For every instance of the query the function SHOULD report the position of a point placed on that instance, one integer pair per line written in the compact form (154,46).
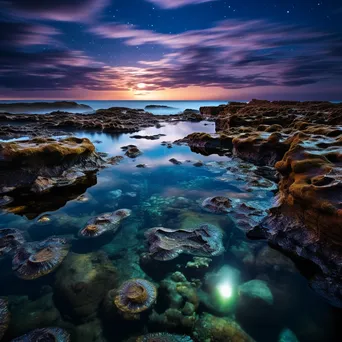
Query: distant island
(24,107)
(158,107)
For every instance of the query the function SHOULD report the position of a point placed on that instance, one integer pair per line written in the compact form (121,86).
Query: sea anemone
(36,259)
(4,317)
(108,222)
(164,337)
(218,204)
(45,335)
(10,240)
(135,296)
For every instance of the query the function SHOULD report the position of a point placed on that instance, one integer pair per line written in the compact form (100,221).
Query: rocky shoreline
(302,142)
(112,120)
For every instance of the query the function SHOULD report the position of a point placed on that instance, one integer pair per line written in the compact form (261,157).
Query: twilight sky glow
(171,49)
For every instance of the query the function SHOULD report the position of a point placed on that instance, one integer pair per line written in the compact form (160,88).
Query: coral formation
(163,337)
(36,259)
(167,244)
(182,299)
(135,296)
(104,223)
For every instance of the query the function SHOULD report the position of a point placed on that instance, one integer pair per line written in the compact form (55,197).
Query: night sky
(171,49)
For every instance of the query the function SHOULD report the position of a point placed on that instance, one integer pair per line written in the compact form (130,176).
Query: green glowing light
(225,290)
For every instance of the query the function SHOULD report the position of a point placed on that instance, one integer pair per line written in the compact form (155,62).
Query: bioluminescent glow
(225,290)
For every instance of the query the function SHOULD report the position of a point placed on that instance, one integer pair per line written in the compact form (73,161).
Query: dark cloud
(24,34)
(60,10)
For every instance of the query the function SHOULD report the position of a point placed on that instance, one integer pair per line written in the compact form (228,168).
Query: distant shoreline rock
(25,107)
(158,107)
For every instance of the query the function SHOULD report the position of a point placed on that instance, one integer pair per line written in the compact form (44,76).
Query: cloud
(25,34)
(233,55)
(168,4)
(60,10)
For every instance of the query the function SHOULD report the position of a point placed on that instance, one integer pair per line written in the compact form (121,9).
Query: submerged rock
(163,337)
(82,283)
(167,244)
(255,291)
(287,335)
(28,314)
(211,328)
(4,317)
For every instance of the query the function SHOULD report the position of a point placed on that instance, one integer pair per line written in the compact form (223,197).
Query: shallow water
(163,194)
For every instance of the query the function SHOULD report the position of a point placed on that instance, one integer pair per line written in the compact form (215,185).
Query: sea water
(166,195)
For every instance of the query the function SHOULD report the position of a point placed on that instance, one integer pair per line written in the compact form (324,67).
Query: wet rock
(5,200)
(198,164)
(82,283)
(148,137)
(115,160)
(255,292)
(287,335)
(211,328)
(270,260)
(175,161)
(132,151)
(59,162)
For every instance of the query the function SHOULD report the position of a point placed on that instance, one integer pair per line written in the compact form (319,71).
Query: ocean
(175,107)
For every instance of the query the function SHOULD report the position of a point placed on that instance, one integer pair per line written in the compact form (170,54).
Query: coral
(10,240)
(36,259)
(218,204)
(82,283)
(211,328)
(4,317)
(104,223)
(46,334)
(135,296)
(181,296)
(167,244)
(163,337)
(199,262)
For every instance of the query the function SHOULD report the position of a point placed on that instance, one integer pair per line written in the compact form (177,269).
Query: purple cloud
(25,34)
(233,55)
(167,4)
(60,10)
